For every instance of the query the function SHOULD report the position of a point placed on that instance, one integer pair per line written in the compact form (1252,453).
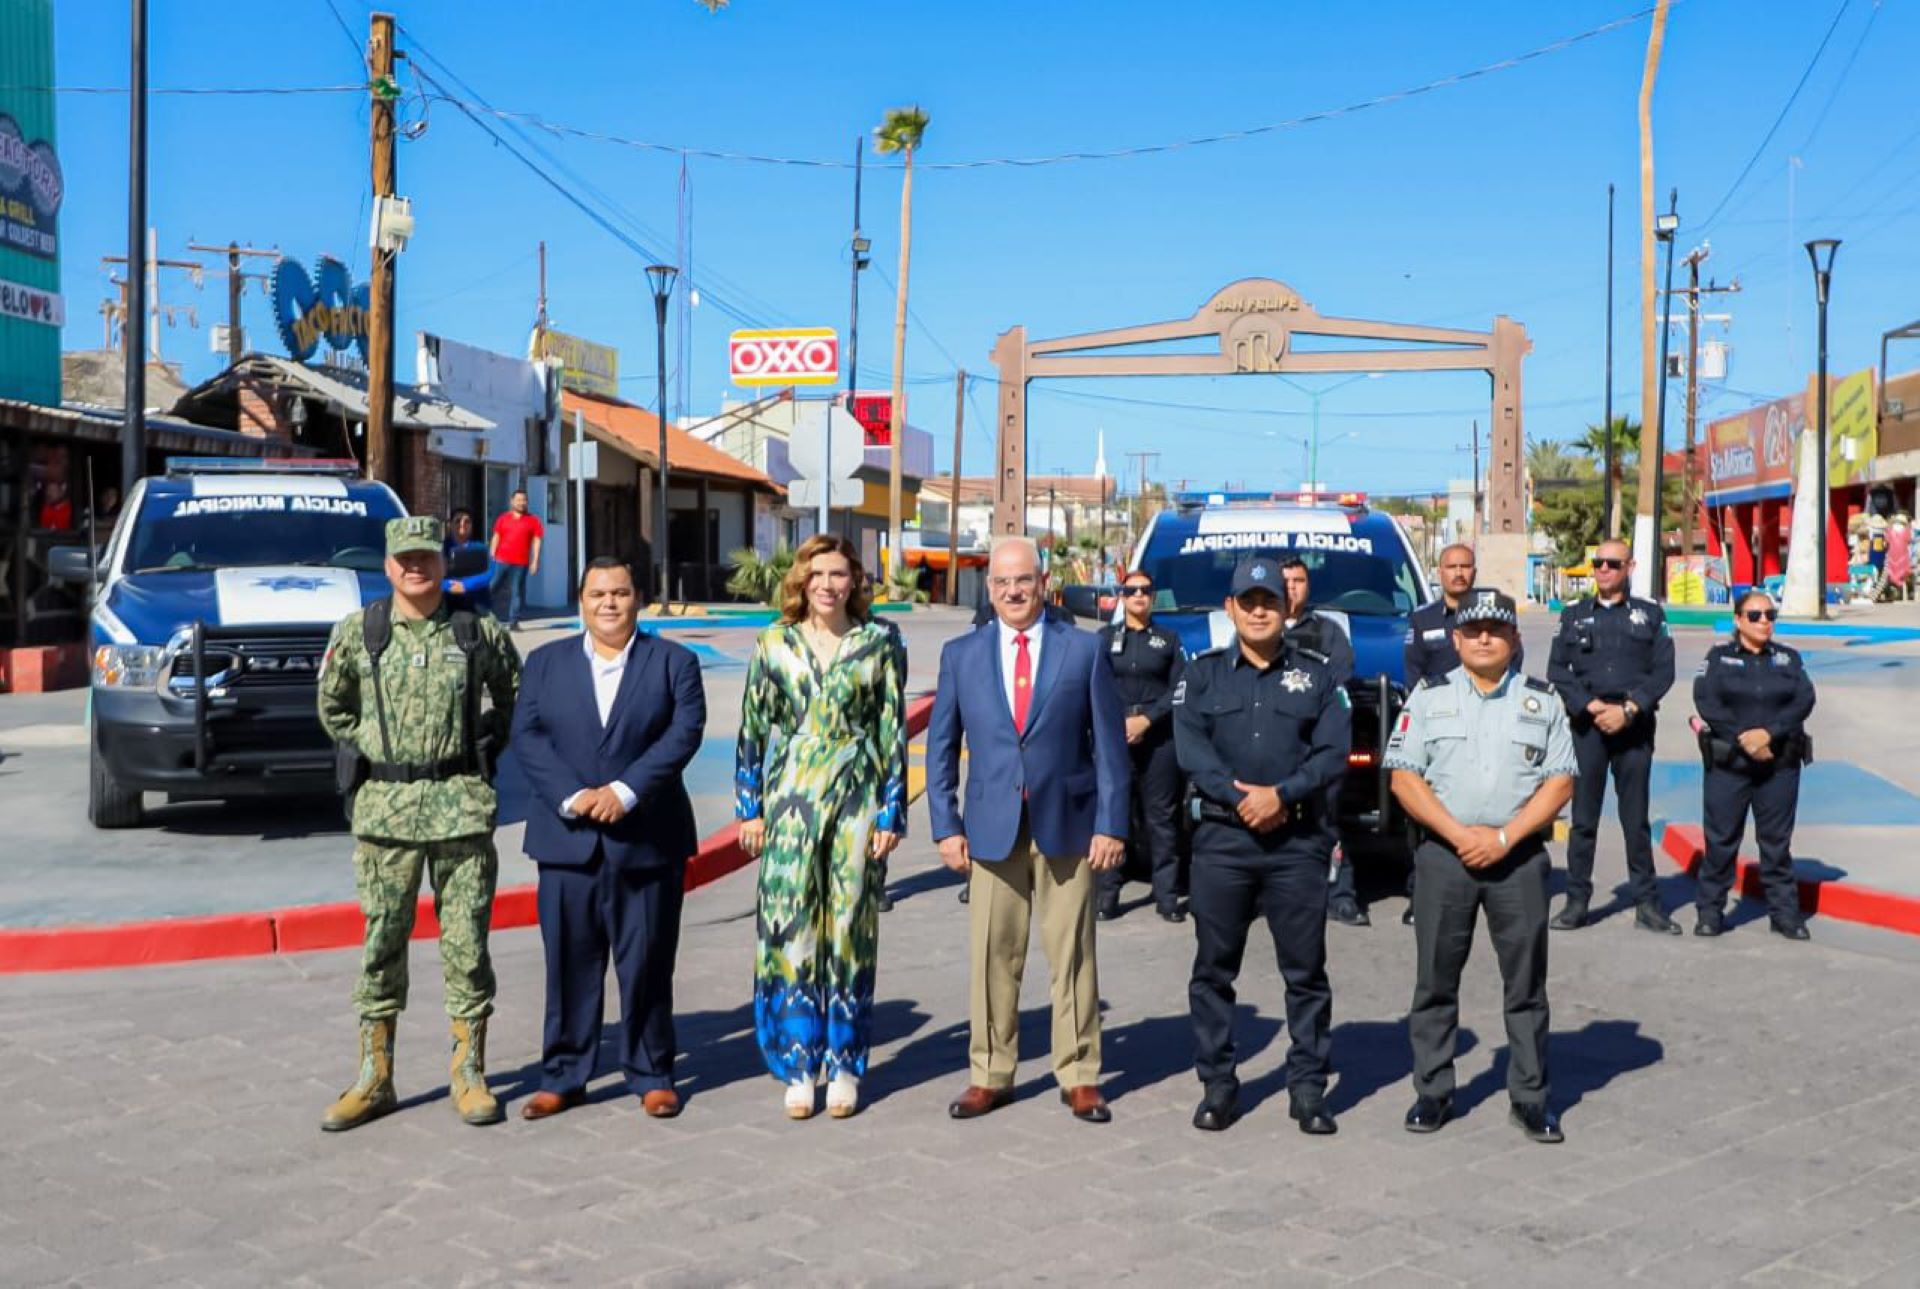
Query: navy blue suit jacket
(1072,762)
(653,731)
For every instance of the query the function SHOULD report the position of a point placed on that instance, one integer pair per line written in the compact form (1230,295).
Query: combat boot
(372,1096)
(468,1081)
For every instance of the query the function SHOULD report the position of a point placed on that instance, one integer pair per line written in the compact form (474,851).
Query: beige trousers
(1002,897)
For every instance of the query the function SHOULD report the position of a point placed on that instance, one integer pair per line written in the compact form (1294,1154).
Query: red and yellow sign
(1753,451)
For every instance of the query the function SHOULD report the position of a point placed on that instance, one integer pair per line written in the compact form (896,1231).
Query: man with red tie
(1046,807)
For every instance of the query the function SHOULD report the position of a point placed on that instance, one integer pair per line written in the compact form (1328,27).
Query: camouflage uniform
(442,826)
(440,823)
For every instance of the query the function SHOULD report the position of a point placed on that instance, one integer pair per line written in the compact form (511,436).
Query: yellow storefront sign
(585,367)
(1852,428)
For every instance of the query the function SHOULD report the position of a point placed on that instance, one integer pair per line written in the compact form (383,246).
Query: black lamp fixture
(1820,252)
(660,277)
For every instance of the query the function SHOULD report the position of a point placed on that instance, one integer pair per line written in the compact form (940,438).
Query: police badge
(1297,681)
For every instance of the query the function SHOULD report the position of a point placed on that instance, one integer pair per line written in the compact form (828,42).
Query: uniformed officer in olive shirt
(1482,762)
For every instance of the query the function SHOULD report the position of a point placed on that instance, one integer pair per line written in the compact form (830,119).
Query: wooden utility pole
(1140,498)
(1689,493)
(1476,481)
(953,499)
(380,464)
(1646,525)
(147,327)
(236,284)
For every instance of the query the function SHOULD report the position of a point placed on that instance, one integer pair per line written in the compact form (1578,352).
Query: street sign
(795,356)
(583,460)
(804,494)
(807,449)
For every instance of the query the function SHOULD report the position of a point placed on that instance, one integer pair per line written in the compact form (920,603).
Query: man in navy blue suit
(607,721)
(1047,802)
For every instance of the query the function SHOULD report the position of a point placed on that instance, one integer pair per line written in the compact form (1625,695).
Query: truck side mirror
(74,565)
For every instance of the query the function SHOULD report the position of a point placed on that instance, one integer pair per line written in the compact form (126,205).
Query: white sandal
(843,1095)
(800,1099)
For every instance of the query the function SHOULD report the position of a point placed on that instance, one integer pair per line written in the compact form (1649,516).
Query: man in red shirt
(515,548)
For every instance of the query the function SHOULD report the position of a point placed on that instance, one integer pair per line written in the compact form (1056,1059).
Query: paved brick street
(1742,1111)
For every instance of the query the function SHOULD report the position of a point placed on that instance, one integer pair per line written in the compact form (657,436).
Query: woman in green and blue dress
(821,806)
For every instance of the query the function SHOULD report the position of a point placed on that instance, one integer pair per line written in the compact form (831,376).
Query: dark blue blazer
(653,731)
(1072,763)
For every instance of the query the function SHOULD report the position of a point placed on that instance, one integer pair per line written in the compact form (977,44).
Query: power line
(1778,120)
(203,91)
(1178,145)
(353,41)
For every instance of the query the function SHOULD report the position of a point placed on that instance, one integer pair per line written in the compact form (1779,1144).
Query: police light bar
(338,467)
(1331,498)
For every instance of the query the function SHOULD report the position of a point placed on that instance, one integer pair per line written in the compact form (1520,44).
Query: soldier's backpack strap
(466,634)
(376,633)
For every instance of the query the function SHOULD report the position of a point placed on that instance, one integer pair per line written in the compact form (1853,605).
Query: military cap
(415,533)
(1258,574)
(1484,604)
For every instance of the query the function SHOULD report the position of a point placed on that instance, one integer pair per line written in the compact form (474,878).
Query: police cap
(1260,573)
(1484,604)
(415,533)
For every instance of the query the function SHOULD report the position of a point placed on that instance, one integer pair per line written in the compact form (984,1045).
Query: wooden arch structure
(1255,320)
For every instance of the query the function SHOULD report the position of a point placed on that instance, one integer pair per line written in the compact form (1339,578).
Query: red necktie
(1022,682)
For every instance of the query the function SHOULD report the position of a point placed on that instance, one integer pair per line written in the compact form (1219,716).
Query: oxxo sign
(327,304)
(799,356)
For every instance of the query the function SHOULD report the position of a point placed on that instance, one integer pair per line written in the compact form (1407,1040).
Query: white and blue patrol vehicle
(216,594)
(1364,577)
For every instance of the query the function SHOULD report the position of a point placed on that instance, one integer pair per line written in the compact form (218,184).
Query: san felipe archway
(1255,321)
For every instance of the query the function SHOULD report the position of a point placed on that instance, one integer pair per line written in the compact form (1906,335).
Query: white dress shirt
(1009,651)
(607,675)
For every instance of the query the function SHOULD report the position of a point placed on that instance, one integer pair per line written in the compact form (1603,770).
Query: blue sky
(1475,199)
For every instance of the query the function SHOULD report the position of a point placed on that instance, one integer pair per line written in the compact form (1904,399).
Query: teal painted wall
(29,351)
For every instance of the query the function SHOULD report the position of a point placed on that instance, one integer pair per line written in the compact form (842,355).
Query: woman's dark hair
(606,562)
(1747,596)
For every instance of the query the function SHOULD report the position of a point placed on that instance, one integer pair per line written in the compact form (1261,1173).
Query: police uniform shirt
(1325,637)
(1288,726)
(1146,666)
(1429,645)
(1484,755)
(1737,690)
(1616,652)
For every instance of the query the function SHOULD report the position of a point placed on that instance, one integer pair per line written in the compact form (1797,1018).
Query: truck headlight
(128,666)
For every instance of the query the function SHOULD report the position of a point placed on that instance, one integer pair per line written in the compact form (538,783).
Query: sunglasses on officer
(1761,615)
(1132,589)
(1609,563)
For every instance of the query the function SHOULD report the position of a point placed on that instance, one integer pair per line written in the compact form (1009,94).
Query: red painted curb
(136,944)
(1846,901)
(308,927)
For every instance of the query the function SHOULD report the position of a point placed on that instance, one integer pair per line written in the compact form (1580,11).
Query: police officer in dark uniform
(1429,649)
(1262,729)
(1612,663)
(1309,629)
(1146,666)
(1755,697)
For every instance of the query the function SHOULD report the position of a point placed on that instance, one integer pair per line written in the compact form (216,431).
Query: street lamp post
(660,277)
(1821,251)
(1313,439)
(1665,229)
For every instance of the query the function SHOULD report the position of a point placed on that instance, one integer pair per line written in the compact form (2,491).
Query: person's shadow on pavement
(1578,1063)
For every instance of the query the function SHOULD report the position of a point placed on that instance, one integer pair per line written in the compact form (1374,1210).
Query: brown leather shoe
(1086,1103)
(544,1105)
(661,1103)
(976,1101)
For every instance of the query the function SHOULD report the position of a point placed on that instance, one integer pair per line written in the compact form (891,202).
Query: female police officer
(1754,696)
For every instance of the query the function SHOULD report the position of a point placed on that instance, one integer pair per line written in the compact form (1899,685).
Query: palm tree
(900,131)
(1547,459)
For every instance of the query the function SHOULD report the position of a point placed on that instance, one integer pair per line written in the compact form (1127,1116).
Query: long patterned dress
(837,773)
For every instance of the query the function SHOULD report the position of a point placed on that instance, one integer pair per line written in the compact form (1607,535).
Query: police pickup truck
(1363,576)
(216,594)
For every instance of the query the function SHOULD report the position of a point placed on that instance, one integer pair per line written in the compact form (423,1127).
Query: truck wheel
(108,804)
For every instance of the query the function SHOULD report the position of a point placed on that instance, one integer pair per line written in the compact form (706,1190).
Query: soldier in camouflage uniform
(425,806)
